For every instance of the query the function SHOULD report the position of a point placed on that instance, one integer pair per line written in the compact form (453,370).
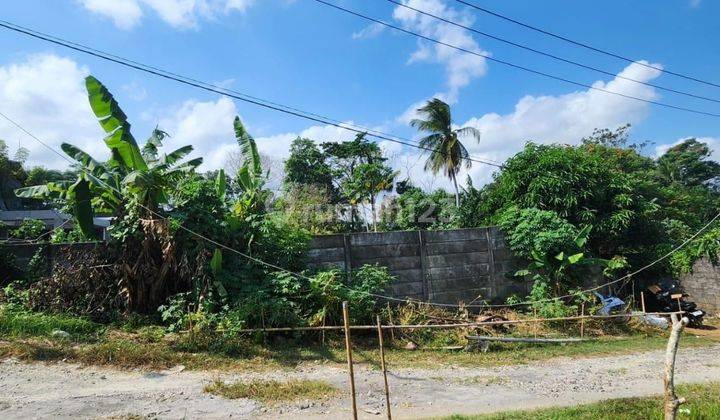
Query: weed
(273,391)
(15,322)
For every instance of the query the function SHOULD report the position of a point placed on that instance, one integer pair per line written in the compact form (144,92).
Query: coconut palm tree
(446,151)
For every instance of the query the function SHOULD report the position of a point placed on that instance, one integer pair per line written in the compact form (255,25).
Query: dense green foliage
(414,209)
(634,210)
(197,246)
(191,247)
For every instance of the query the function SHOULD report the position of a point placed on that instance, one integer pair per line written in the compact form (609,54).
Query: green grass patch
(20,323)
(28,336)
(269,392)
(703,403)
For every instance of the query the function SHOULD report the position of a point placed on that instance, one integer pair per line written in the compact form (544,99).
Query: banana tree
(249,177)
(145,175)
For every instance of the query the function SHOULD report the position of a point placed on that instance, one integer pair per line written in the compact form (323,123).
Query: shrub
(534,230)
(29,229)
(84,284)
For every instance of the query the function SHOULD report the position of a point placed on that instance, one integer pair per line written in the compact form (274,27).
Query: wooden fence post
(642,301)
(384,369)
(582,320)
(672,402)
(348,349)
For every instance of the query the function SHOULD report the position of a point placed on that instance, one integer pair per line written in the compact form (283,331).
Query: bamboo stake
(642,300)
(582,321)
(392,323)
(346,320)
(384,369)
(672,402)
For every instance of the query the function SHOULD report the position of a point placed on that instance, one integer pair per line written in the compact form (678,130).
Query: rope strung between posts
(448,326)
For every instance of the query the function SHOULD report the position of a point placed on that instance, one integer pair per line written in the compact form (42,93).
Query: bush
(30,229)
(83,284)
(533,230)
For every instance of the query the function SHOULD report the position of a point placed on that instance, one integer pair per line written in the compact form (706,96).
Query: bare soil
(64,390)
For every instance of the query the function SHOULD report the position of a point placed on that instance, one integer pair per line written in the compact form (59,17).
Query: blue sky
(304,54)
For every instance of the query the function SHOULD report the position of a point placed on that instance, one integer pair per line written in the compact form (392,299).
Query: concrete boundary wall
(443,266)
(703,286)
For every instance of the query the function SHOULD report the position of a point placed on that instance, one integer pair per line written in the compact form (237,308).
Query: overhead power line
(583,45)
(389,298)
(226,92)
(550,55)
(513,65)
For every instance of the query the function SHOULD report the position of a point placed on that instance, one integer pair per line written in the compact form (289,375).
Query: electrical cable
(550,55)
(584,45)
(223,91)
(516,66)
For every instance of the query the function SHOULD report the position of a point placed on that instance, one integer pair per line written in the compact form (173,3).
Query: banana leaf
(80,197)
(114,121)
(248,148)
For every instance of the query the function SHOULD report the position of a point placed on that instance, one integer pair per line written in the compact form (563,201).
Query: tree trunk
(672,402)
(372,209)
(457,192)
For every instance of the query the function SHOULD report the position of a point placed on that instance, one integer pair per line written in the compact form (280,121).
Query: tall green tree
(307,165)
(689,164)
(12,175)
(367,182)
(447,154)
(344,159)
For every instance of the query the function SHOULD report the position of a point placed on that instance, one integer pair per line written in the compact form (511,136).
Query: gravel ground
(66,390)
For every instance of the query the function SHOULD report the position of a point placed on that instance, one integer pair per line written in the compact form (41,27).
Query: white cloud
(127,14)
(547,119)
(460,67)
(135,91)
(46,94)
(563,118)
(370,31)
(207,126)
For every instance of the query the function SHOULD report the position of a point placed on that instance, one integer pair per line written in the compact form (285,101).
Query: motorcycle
(669,297)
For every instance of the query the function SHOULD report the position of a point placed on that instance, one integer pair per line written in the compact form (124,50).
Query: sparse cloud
(460,67)
(127,14)
(135,91)
(370,31)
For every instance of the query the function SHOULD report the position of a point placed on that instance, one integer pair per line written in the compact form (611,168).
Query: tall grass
(17,323)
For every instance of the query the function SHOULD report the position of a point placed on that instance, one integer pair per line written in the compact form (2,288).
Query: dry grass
(270,392)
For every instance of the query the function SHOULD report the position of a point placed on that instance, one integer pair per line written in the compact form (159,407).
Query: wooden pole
(642,301)
(582,320)
(679,304)
(672,402)
(384,369)
(346,320)
(392,323)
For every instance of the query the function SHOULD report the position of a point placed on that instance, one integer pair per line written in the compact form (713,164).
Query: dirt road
(68,390)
